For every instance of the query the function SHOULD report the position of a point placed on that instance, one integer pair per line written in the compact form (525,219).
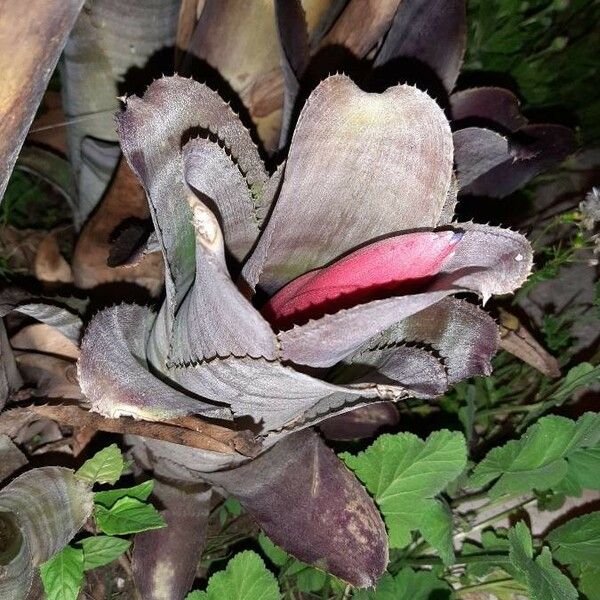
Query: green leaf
(407,585)
(404,474)
(274,553)
(542,578)
(101,550)
(550,452)
(577,542)
(62,575)
(307,578)
(128,515)
(589,582)
(141,491)
(105,467)
(245,578)
(582,375)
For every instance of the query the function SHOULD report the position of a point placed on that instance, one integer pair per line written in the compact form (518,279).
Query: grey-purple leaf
(12,458)
(386,361)
(432,31)
(40,512)
(114,373)
(114,45)
(215,319)
(465,336)
(361,25)
(308,503)
(330,202)
(210,171)
(165,560)
(271,393)
(10,380)
(295,54)
(487,260)
(152,130)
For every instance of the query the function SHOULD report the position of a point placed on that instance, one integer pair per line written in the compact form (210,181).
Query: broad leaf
(401,133)
(432,31)
(552,452)
(62,575)
(141,491)
(589,582)
(577,542)
(105,466)
(543,579)
(308,503)
(245,578)
(101,550)
(408,585)
(404,474)
(127,515)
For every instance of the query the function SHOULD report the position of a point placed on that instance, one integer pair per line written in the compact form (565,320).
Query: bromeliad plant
(295,297)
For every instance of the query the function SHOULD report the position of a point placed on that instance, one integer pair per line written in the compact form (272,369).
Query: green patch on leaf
(105,466)
(102,550)
(109,497)
(404,474)
(62,575)
(245,578)
(128,515)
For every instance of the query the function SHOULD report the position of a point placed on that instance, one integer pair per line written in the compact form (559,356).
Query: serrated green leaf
(577,542)
(105,466)
(542,578)
(62,575)
(407,585)
(404,474)
(128,515)
(141,491)
(101,550)
(547,456)
(245,578)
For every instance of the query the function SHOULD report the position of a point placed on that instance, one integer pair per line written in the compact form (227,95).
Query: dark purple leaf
(308,503)
(493,104)
(361,423)
(432,31)
(165,560)
(535,149)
